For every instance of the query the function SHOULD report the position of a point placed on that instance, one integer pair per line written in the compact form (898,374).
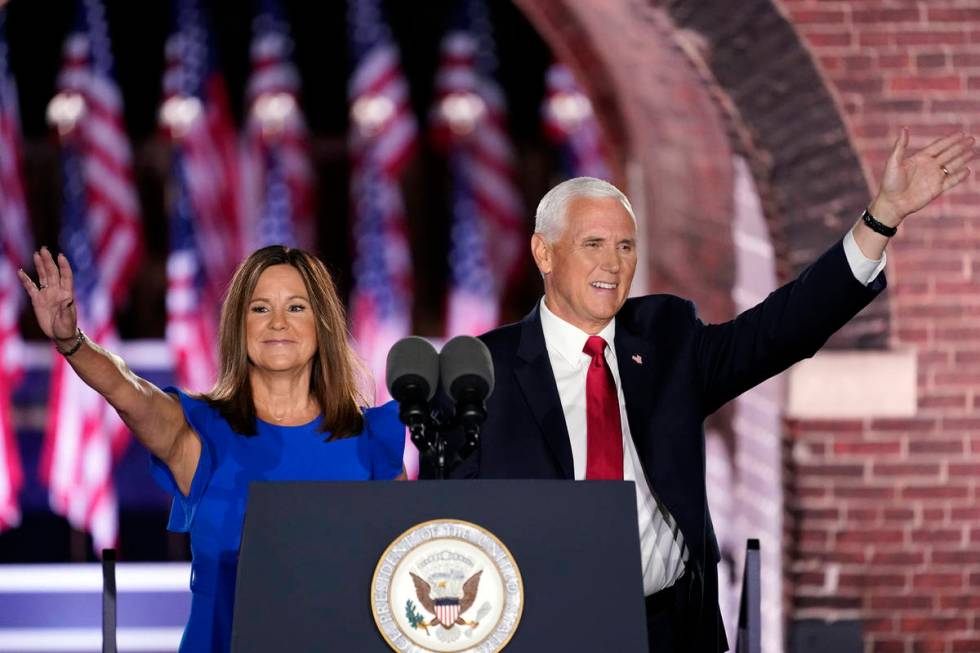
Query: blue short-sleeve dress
(214,509)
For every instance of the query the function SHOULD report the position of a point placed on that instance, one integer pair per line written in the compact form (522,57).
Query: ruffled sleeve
(387,437)
(200,416)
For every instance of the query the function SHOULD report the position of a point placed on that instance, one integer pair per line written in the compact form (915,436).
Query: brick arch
(681,85)
(668,141)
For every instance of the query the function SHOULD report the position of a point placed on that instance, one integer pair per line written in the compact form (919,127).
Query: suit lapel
(537,382)
(637,371)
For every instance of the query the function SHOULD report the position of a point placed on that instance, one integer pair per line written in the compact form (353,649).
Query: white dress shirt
(663,553)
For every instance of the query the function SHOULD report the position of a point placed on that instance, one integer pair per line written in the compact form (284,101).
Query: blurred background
(407,144)
(310,181)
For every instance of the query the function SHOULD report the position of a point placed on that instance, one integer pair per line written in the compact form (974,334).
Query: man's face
(589,268)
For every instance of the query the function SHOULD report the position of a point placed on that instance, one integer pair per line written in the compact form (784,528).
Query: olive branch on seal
(414,617)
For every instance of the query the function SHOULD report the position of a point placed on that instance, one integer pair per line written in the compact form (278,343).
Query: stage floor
(57,608)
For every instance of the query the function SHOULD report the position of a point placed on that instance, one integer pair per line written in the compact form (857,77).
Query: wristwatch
(878,227)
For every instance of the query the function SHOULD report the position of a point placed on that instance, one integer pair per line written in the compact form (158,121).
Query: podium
(310,550)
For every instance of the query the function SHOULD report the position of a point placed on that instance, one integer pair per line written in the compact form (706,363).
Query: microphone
(466,369)
(412,374)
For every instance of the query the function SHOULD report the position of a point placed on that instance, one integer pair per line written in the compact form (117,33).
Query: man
(591,385)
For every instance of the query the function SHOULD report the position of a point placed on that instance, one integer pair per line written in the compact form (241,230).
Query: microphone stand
(427,436)
(427,431)
(471,412)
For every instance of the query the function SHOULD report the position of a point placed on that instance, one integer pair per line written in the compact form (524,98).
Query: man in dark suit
(592,385)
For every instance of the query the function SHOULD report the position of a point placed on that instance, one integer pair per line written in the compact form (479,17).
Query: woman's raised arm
(155,417)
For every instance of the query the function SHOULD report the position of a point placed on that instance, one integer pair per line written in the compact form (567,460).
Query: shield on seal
(447,610)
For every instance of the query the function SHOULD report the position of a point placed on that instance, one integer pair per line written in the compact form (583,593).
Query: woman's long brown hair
(337,374)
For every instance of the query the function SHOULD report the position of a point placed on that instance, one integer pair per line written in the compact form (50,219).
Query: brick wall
(650,96)
(889,529)
(784,121)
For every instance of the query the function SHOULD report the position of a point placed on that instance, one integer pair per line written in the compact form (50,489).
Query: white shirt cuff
(864,269)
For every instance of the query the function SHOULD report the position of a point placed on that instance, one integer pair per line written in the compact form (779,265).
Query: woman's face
(280,329)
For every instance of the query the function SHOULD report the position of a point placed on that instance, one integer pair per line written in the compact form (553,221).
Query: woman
(285,407)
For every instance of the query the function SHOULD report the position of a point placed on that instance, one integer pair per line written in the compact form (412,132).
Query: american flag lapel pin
(637,359)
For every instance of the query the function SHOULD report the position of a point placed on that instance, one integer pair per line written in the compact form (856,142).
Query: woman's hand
(53,297)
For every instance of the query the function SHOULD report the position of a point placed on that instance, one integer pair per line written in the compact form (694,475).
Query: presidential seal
(447,586)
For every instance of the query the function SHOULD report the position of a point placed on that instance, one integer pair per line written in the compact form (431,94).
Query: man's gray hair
(550,218)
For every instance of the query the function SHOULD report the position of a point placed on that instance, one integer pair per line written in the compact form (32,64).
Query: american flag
(281,180)
(275,225)
(469,118)
(191,327)
(570,123)
(101,235)
(113,205)
(382,138)
(381,303)
(473,302)
(15,248)
(11,473)
(196,113)
(384,128)
(84,434)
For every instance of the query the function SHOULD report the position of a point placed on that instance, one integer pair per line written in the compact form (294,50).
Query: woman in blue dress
(286,406)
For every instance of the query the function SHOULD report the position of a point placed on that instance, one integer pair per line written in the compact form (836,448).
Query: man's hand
(912,181)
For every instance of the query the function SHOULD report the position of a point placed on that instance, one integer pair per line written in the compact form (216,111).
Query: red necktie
(604,448)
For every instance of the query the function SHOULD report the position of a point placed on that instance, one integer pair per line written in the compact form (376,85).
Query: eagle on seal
(448,611)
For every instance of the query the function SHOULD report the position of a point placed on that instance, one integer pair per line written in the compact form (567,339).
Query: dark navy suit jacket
(688,370)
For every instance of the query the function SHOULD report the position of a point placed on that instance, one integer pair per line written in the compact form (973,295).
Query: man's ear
(541,252)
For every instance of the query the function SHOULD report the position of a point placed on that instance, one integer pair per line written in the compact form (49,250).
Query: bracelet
(878,227)
(79,339)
